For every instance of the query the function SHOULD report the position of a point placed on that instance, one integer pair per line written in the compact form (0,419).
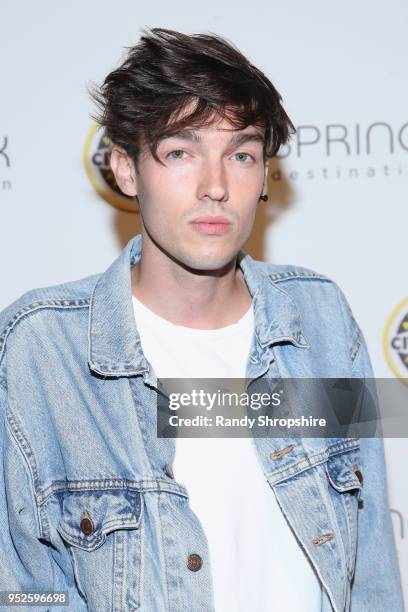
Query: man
(94,503)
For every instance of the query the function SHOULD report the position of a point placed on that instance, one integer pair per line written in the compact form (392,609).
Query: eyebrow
(236,140)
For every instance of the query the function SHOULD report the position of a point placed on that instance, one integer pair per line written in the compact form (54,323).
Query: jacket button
(359,475)
(86,525)
(194,562)
(168,470)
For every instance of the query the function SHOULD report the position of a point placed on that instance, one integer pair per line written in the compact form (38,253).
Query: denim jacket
(89,503)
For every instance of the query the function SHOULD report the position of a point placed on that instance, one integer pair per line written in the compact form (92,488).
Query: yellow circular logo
(96,155)
(395,340)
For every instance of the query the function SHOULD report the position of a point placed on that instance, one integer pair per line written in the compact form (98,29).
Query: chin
(207,261)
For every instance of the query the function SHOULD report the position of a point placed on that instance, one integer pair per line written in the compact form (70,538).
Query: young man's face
(207,172)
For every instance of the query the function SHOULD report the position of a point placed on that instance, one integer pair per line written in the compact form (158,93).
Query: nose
(213,182)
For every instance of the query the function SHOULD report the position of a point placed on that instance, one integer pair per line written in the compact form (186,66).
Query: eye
(242,157)
(176,154)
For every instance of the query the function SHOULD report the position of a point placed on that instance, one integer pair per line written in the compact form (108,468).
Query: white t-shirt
(256,561)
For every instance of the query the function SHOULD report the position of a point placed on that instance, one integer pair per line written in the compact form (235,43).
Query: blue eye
(177,151)
(245,155)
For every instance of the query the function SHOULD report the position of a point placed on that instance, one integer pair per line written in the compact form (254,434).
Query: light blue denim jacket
(88,503)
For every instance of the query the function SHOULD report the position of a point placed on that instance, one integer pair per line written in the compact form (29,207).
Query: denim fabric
(87,504)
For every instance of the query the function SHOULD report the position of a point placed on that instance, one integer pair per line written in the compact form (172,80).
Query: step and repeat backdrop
(338,191)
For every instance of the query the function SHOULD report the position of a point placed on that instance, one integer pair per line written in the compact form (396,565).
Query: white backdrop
(338,193)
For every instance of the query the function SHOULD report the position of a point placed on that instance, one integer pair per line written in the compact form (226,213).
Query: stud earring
(264,197)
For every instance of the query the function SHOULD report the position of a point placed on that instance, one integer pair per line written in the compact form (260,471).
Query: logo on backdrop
(5,183)
(395,340)
(96,155)
(344,152)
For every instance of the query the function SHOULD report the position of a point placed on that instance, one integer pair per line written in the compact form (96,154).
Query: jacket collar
(114,346)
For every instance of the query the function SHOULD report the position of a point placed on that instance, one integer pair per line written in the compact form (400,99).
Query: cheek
(166,186)
(247,219)
(245,189)
(249,180)
(161,203)
(182,180)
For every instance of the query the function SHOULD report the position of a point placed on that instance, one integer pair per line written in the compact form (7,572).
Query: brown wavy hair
(146,98)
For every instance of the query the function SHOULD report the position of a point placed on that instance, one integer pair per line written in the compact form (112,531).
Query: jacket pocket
(345,483)
(102,531)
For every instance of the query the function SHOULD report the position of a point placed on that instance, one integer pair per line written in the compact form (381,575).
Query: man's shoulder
(281,273)
(66,295)
(315,295)
(307,285)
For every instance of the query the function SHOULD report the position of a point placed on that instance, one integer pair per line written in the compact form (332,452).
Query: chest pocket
(102,531)
(345,483)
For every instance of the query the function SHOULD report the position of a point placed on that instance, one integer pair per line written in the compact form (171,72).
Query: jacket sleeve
(25,561)
(377,582)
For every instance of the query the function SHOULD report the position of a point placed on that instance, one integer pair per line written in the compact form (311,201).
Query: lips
(215,225)
(216,219)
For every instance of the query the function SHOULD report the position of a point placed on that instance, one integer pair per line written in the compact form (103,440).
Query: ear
(124,170)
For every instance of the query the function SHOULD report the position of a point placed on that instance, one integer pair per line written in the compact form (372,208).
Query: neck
(202,299)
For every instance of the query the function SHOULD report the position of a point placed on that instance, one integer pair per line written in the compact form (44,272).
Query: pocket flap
(87,516)
(343,471)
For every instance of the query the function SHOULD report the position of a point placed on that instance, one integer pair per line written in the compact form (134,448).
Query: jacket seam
(80,486)
(355,336)
(27,465)
(34,306)
(163,549)
(24,445)
(279,278)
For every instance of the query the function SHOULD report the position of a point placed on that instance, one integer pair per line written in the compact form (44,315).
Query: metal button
(86,525)
(194,562)
(168,470)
